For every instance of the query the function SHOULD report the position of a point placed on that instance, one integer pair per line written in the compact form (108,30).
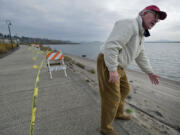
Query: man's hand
(154,78)
(113,76)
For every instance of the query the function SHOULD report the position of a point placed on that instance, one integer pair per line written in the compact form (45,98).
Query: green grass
(129,111)
(91,71)
(43,48)
(67,59)
(5,47)
(80,65)
(178,127)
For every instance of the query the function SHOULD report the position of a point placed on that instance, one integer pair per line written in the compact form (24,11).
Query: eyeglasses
(156,16)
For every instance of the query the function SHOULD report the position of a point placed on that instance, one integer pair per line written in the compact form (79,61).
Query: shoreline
(82,59)
(160,65)
(155,107)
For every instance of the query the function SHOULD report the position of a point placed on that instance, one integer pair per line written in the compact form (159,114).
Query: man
(124,45)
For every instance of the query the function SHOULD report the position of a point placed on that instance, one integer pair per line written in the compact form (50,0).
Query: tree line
(30,40)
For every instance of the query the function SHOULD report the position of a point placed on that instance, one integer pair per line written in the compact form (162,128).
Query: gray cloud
(78,20)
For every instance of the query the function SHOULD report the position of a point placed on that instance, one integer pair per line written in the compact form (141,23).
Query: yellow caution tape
(34,111)
(35,67)
(32,121)
(39,52)
(34,58)
(35,94)
(35,91)
(37,79)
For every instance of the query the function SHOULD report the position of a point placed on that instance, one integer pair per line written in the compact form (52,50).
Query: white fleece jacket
(125,44)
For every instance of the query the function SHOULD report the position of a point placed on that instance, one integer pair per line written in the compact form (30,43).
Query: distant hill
(91,42)
(162,41)
(44,41)
(30,40)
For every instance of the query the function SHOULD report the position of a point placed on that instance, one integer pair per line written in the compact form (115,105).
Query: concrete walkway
(65,106)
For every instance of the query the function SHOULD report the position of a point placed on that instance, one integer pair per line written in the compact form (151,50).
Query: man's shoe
(123,117)
(110,133)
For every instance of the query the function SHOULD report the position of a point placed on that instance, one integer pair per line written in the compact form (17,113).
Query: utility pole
(9,24)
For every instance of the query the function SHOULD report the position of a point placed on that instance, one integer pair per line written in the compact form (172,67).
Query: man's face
(150,18)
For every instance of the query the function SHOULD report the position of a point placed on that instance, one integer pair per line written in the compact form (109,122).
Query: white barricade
(55,61)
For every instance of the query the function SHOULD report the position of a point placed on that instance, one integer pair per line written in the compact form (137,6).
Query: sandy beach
(154,107)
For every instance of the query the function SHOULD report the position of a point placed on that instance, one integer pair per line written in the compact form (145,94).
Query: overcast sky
(83,20)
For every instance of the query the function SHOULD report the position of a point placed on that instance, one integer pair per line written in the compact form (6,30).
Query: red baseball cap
(162,14)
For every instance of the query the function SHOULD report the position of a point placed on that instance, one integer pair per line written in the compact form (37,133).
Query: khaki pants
(112,94)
